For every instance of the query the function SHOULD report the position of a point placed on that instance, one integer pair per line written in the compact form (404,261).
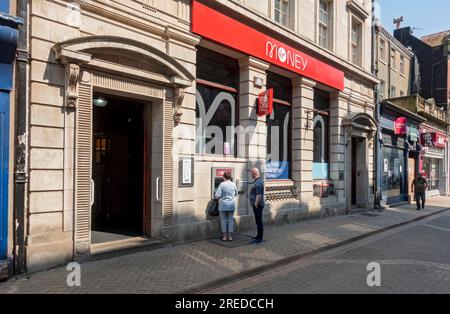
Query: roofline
(441,32)
(383,31)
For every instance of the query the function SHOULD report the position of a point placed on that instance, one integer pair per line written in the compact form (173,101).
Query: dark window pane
(282,86)
(318,153)
(278,143)
(215,113)
(217,68)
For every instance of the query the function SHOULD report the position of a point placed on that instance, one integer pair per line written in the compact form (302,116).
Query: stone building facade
(120,104)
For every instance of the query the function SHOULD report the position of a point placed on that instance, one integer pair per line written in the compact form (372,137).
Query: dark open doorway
(118,170)
(354,170)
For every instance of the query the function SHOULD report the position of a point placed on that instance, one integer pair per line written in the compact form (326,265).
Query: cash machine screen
(217,177)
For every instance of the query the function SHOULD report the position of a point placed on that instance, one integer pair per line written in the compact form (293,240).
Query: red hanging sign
(265,103)
(218,27)
(400,126)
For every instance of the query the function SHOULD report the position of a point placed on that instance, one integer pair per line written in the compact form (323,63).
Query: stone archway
(128,67)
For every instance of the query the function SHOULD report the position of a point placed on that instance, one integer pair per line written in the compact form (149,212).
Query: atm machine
(217,177)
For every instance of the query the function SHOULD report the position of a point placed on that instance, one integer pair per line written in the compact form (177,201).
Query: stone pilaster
(302,137)
(252,131)
(338,112)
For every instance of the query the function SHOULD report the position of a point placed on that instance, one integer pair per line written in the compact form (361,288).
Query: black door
(118,168)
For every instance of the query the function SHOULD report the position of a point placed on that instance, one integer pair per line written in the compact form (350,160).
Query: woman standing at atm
(226,193)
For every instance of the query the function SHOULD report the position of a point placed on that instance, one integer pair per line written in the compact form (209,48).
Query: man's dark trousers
(420,196)
(258,211)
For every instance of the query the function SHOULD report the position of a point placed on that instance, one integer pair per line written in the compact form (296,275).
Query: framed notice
(186,172)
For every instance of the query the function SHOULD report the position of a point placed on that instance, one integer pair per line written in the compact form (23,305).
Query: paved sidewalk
(187,267)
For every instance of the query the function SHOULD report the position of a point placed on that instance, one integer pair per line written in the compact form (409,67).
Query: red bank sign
(265,103)
(218,27)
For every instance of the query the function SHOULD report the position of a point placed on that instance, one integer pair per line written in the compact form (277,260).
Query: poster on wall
(396,167)
(277,170)
(386,165)
(186,172)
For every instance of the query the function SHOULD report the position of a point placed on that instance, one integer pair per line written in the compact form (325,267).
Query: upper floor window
(281,11)
(325,21)
(383,50)
(402,64)
(393,59)
(356,42)
(393,92)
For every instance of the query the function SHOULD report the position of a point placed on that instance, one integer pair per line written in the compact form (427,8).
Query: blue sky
(430,16)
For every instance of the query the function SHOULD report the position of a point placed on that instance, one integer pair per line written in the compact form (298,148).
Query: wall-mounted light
(100,102)
(259,82)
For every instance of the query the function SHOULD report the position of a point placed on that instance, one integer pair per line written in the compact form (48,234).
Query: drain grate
(239,240)
(369,215)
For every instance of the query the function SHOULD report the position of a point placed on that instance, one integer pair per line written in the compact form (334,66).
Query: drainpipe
(21,141)
(377,176)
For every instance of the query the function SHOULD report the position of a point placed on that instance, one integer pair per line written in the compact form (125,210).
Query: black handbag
(213,208)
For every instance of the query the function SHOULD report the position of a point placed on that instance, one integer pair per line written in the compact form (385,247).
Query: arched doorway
(360,168)
(125,138)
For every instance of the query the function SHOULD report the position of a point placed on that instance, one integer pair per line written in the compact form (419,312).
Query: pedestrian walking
(420,186)
(226,193)
(257,203)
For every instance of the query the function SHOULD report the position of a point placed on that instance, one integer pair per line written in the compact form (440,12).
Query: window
(279,129)
(402,93)
(321,160)
(356,41)
(393,92)
(402,64)
(325,23)
(382,89)
(216,105)
(393,172)
(383,50)
(281,11)
(101,149)
(393,59)
(431,167)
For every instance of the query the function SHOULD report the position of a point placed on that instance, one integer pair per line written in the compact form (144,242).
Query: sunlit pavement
(196,266)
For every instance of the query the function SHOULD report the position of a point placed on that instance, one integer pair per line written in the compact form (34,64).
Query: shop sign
(434,140)
(413,133)
(265,103)
(400,126)
(225,30)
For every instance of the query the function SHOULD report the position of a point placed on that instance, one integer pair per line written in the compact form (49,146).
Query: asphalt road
(412,259)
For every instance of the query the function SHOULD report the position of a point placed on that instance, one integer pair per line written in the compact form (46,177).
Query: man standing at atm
(257,202)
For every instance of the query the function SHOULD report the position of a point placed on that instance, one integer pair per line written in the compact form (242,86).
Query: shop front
(433,160)
(400,153)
